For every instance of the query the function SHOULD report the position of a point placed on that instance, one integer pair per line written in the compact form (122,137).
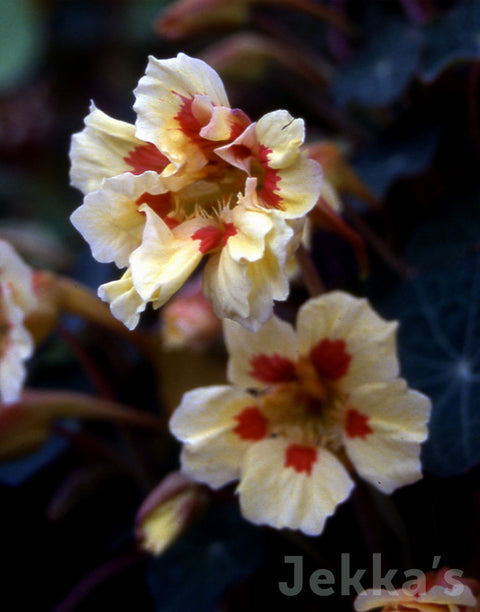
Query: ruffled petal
(227,286)
(16,345)
(272,493)
(282,135)
(370,340)
(205,421)
(164,100)
(99,151)
(385,424)
(125,302)
(18,276)
(166,258)
(110,219)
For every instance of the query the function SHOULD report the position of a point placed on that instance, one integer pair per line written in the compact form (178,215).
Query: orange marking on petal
(300,458)
(271,179)
(146,157)
(252,425)
(356,424)
(272,368)
(330,358)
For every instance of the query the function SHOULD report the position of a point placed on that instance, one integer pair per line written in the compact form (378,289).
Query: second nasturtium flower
(442,591)
(17,299)
(306,408)
(193,178)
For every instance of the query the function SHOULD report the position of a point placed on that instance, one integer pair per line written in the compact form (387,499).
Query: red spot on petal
(160,203)
(252,425)
(189,124)
(271,179)
(146,157)
(300,458)
(330,358)
(214,236)
(356,424)
(272,369)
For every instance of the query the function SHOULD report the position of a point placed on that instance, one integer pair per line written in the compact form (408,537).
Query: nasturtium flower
(17,298)
(305,409)
(442,591)
(193,178)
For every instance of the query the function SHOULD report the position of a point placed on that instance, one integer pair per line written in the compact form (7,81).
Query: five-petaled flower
(193,178)
(306,408)
(17,298)
(442,591)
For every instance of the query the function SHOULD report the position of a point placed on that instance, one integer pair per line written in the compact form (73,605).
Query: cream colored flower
(305,408)
(17,298)
(193,178)
(443,591)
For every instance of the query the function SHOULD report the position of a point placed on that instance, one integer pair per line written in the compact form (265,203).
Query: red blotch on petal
(330,358)
(213,236)
(300,458)
(272,369)
(271,179)
(252,425)
(161,204)
(188,123)
(146,157)
(356,424)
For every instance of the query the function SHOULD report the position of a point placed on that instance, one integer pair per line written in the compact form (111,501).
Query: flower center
(309,408)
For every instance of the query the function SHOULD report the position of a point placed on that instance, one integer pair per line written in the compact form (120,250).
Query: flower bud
(168,511)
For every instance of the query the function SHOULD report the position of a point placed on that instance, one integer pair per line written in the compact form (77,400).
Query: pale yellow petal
(165,259)
(279,496)
(298,187)
(227,286)
(16,345)
(125,303)
(98,152)
(160,95)
(389,456)
(204,422)
(110,219)
(15,273)
(282,135)
(370,340)
(276,337)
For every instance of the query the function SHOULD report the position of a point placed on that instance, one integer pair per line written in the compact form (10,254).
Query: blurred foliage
(399,89)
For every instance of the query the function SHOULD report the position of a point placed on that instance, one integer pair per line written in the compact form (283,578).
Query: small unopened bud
(168,511)
(189,320)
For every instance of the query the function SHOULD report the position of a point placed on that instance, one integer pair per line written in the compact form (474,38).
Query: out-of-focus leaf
(21,40)
(17,471)
(220,551)
(384,67)
(453,37)
(396,155)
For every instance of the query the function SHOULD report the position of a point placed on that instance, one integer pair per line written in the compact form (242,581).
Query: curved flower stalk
(17,299)
(192,179)
(442,591)
(305,409)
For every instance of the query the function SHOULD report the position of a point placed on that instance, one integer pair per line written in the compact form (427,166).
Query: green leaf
(439,334)
(22,39)
(397,154)
(453,37)
(384,67)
